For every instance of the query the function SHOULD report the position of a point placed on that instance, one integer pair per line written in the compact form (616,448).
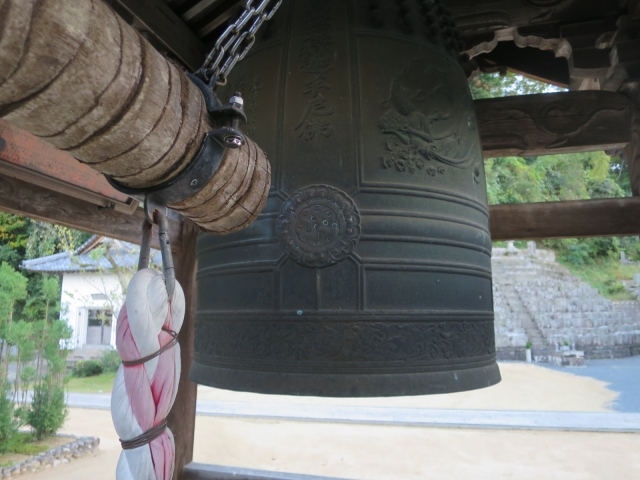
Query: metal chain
(236,41)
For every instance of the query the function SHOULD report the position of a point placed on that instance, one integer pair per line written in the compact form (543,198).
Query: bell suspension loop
(236,41)
(156,214)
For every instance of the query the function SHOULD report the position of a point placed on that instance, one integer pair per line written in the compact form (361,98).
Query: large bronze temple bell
(369,271)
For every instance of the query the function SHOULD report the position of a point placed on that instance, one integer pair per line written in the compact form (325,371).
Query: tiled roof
(88,259)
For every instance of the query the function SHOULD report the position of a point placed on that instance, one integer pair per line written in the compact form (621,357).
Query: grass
(25,444)
(607,276)
(102,383)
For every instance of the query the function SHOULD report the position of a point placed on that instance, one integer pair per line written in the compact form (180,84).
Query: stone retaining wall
(538,300)
(77,447)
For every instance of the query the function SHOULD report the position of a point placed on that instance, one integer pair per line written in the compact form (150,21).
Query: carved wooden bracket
(554,123)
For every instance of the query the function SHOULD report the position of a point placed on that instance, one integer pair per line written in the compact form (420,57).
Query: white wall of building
(84,291)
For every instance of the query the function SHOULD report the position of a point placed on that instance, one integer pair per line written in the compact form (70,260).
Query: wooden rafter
(163,28)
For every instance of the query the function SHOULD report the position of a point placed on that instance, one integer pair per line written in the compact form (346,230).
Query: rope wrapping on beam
(144,392)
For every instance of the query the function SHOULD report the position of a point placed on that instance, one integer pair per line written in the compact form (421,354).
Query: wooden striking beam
(22,198)
(163,28)
(182,418)
(584,218)
(552,123)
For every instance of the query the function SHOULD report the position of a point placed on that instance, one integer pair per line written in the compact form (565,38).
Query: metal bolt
(233,141)
(237,101)
(193,182)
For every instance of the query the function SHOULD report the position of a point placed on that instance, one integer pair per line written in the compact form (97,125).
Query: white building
(92,287)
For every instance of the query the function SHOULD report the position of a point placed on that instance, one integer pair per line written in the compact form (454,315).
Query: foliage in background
(110,361)
(552,178)
(48,410)
(87,368)
(34,342)
(493,85)
(22,238)
(8,422)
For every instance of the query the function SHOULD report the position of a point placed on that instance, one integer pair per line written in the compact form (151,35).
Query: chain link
(236,41)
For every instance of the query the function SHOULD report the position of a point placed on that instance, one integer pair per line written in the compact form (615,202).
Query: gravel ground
(375,452)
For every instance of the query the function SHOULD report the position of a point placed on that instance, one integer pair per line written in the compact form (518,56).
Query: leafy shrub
(87,368)
(110,361)
(8,426)
(48,409)
(614,288)
(577,254)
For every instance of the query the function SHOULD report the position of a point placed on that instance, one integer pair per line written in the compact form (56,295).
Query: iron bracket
(191,180)
(157,214)
(207,161)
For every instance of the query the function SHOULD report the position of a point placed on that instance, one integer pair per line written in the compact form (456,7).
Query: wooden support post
(552,123)
(182,418)
(632,152)
(584,218)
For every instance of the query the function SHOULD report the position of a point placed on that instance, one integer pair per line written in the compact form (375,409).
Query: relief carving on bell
(369,271)
(318,226)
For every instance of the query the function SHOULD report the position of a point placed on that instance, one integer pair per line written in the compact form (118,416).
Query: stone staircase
(538,300)
(519,310)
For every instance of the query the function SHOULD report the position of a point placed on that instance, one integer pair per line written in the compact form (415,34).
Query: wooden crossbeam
(584,218)
(529,221)
(550,123)
(22,198)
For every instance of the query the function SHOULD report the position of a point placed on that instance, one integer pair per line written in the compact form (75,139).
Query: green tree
(14,235)
(13,287)
(48,238)
(492,85)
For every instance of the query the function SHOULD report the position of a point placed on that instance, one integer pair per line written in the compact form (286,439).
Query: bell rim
(347,385)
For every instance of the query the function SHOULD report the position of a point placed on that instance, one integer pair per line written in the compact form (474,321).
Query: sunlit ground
(399,452)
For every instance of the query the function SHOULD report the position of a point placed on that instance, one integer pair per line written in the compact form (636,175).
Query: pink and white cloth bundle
(147,383)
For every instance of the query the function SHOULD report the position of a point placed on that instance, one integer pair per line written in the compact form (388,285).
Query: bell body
(369,271)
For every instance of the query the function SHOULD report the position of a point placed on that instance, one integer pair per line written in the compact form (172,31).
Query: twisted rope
(147,382)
